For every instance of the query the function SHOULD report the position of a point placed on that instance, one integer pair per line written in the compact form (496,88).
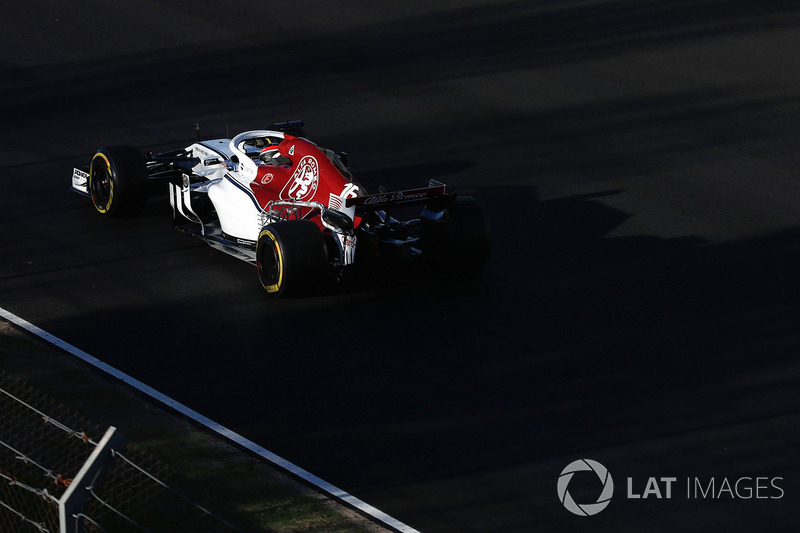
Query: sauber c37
(290,207)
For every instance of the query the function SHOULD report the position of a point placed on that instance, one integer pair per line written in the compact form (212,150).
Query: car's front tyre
(118,181)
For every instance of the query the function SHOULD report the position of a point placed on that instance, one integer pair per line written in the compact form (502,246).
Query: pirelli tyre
(291,258)
(458,243)
(118,181)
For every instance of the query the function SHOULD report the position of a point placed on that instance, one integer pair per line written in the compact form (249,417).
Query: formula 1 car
(291,208)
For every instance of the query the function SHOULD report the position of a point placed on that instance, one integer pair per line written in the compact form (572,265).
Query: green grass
(242,489)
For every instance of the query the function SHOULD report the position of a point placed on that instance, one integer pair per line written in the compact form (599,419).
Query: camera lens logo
(586,509)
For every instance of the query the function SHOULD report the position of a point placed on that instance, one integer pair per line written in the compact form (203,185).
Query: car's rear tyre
(118,181)
(291,258)
(458,243)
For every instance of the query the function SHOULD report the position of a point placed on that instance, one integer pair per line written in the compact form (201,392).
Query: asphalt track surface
(638,163)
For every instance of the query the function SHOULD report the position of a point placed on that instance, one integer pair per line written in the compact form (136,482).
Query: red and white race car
(292,208)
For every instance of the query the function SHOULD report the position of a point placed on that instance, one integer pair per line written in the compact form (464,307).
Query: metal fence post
(71,502)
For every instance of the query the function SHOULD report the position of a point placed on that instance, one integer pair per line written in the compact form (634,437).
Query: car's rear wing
(385,200)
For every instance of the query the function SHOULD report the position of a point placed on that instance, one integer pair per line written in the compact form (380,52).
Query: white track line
(221,430)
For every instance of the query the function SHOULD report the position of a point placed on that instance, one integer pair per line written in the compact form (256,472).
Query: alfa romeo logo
(585,509)
(304,181)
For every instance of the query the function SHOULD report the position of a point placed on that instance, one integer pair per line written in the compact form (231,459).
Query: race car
(293,209)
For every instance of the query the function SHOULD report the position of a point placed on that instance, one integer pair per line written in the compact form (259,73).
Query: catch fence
(60,473)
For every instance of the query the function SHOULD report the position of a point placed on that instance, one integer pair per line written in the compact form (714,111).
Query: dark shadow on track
(628,339)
